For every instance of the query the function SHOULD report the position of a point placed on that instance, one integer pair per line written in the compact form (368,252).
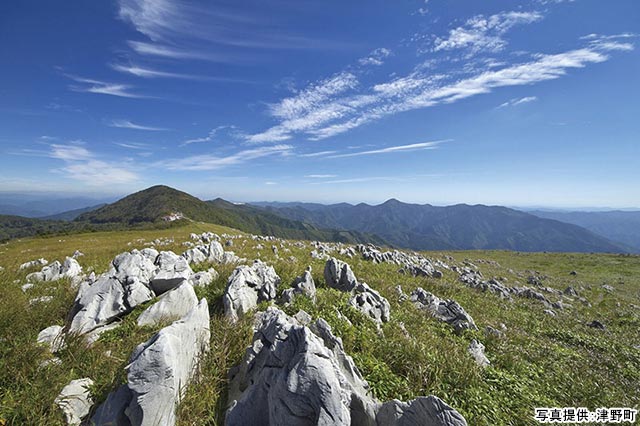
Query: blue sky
(520,103)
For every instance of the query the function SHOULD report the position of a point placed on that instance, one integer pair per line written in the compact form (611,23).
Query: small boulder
(52,337)
(425,410)
(476,349)
(303,285)
(247,286)
(448,311)
(171,271)
(370,302)
(338,275)
(203,278)
(75,400)
(172,306)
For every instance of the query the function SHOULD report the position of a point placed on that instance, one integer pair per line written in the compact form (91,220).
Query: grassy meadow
(540,361)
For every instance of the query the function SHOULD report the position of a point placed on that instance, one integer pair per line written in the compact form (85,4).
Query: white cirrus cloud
(89,85)
(126,124)
(215,162)
(482,33)
(335,112)
(376,57)
(391,149)
(320,176)
(518,101)
(211,136)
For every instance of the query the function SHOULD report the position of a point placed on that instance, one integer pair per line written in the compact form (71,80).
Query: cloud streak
(126,124)
(331,107)
(88,85)
(519,101)
(215,162)
(400,148)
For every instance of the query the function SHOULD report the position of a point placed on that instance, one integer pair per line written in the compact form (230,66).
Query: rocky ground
(206,325)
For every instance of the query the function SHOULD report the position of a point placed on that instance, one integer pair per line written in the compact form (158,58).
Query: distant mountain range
(617,225)
(393,223)
(462,227)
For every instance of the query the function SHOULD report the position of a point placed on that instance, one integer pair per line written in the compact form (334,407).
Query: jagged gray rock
(476,349)
(114,293)
(338,275)
(171,271)
(159,372)
(370,302)
(448,311)
(75,400)
(52,337)
(172,306)
(292,376)
(247,286)
(70,268)
(298,375)
(422,411)
(203,278)
(32,263)
(303,285)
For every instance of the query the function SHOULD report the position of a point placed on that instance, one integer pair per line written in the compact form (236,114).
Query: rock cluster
(70,268)
(338,275)
(448,311)
(247,286)
(302,285)
(298,375)
(75,401)
(414,264)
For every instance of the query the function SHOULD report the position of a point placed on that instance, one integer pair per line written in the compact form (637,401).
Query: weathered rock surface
(476,349)
(448,311)
(114,293)
(338,275)
(203,278)
(298,375)
(75,401)
(171,271)
(33,263)
(70,268)
(158,373)
(172,306)
(414,264)
(52,337)
(302,285)
(247,286)
(370,302)
(423,411)
(292,376)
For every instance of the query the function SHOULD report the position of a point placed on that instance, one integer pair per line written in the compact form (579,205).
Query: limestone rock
(338,275)
(291,376)
(172,306)
(38,262)
(114,293)
(448,311)
(301,285)
(70,268)
(172,270)
(247,286)
(75,401)
(422,411)
(203,278)
(476,349)
(370,302)
(52,337)
(161,369)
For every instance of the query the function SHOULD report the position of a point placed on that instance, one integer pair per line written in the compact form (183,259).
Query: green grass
(540,361)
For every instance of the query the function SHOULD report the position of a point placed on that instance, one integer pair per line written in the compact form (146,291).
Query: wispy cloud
(320,176)
(133,145)
(398,148)
(153,73)
(166,51)
(126,124)
(211,136)
(214,162)
(482,33)
(88,85)
(83,165)
(518,101)
(320,114)
(317,154)
(376,57)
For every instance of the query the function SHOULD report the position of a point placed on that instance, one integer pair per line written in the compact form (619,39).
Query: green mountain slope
(151,205)
(426,227)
